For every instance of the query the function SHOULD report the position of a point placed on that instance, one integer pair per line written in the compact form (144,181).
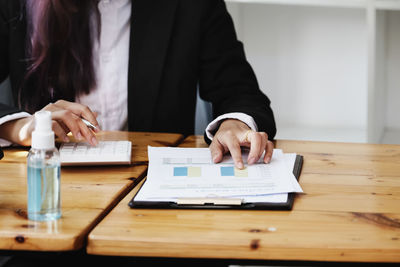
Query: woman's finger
(268,152)
(75,125)
(233,145)
(87,133)
(255,147)
(217,151)
(80,110)
(59,131)
(264,142)
(65,127)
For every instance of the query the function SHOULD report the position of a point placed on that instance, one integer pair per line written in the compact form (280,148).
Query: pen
(90,125)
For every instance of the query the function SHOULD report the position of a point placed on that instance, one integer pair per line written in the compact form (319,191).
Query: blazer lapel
(151,24)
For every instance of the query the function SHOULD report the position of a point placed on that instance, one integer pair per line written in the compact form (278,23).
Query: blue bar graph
(180,171)
(227,171)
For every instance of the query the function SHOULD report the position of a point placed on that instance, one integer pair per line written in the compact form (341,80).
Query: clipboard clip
(209,201)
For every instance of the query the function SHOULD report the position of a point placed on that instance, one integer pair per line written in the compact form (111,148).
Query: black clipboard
(210,204)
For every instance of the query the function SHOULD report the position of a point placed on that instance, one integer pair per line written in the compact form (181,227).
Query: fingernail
(79,136)
(94,141)
(216,157)
(240,165)
(267,159)
(251,160)
(66,139)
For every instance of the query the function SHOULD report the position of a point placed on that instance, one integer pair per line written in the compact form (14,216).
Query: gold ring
(246,136)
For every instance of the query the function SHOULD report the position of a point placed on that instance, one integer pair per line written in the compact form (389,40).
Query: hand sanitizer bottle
(43,172)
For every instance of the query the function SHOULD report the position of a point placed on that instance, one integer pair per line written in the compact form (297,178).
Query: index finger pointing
(268,152)
(255,147)
(234,149)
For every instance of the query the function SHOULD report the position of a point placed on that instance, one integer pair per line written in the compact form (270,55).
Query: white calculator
(105,153)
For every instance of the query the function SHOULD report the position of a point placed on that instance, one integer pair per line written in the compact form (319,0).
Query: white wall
(393,70)
(312,63)
(392,121)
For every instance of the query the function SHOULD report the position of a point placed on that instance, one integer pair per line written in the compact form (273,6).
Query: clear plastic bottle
(44,201)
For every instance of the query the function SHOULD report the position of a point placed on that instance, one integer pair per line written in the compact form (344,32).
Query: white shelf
(352,135)
(387,4)
(321,134)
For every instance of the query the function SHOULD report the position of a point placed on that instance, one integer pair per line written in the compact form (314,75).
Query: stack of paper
(178,173)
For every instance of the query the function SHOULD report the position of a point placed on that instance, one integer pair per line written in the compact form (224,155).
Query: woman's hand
(231,135)
(66,118)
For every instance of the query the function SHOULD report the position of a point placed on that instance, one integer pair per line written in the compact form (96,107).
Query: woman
(131,66)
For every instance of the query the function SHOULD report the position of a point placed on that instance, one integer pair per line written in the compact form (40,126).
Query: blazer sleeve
(4,41)
(5,9)
(226,78)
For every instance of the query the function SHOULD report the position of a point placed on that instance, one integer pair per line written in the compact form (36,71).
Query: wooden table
(87,193)
(350,212)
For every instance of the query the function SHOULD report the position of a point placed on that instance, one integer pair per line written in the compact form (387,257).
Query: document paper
(178,173)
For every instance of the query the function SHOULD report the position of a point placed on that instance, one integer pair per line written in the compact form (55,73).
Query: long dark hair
(60,41)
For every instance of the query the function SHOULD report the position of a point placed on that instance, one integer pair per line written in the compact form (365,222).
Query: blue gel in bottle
(44,201)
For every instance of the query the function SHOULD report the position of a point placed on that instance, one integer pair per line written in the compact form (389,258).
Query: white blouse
(111,58)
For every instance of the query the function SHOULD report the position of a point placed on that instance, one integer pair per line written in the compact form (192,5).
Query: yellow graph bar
(194,171)
(241,173)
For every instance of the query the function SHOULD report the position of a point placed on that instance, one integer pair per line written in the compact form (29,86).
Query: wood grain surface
(87,193)
(350,211)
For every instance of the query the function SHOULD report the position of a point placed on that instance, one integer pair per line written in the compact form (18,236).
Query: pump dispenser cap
(43,135)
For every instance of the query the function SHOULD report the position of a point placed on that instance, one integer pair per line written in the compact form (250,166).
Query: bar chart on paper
(192,167)
(176,173)
(194,171)
(187,171)
(232,171)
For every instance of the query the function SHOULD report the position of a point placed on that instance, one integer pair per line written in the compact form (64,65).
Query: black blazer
(175,45)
